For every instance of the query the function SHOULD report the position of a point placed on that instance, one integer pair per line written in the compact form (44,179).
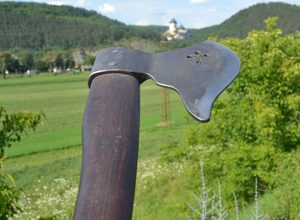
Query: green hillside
(252,18)
(35,26)
(240,24)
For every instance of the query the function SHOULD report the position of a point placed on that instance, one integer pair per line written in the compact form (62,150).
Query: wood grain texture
(110,149)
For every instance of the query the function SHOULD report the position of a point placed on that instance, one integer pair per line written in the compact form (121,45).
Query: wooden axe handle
(110,149)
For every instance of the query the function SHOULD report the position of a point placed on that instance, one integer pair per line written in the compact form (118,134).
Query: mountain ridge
(39,25)
(248,19)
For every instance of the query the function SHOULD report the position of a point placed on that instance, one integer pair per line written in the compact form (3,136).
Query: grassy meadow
(46,163)
(62,99)
(53,151)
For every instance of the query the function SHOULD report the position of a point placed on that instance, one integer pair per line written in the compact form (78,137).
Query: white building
(31,72)
(57,70)
(173,27)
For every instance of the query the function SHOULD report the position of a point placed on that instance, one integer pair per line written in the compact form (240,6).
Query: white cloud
(107,8)
(81,2)
(59,3)
(197,1)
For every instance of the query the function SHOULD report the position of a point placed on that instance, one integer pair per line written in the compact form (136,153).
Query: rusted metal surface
(110,149)
(199,73)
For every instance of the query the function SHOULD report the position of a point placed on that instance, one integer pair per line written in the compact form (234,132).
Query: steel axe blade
(198,73)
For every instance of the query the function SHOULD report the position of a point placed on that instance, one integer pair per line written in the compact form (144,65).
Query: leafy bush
(9,195)
(263,105)
(289,191)
(255,124)
(12,126)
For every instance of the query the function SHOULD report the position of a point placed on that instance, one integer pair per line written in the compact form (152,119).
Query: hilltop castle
(175,33)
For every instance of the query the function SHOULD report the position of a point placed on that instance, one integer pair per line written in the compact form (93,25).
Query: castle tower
(173,27)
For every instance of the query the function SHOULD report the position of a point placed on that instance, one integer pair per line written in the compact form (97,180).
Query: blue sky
(190,13)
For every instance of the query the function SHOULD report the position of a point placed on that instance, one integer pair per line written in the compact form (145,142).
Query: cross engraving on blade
(198,56)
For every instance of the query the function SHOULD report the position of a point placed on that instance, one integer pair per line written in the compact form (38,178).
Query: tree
(89,60)
(255,125)
(28,61)
(70,63)
(12,126)
(9,196)
(59,61)
(42,66)
(8,62)
(266,94)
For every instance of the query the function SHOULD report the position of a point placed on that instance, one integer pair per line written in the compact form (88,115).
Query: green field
(53,151)
(62,99)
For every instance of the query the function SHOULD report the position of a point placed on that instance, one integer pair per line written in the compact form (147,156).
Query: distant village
(78,61)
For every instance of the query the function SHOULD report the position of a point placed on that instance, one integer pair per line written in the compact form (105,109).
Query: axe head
(198,73)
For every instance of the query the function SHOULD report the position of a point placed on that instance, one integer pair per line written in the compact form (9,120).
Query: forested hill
(35,25)
(252,18)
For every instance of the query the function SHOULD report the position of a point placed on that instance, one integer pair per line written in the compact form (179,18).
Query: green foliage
(289,192)
(28,61)
(9,195)
(42,66)
(89,60)
(266,93)
(59,61)
(255,124)
(12,126)
(8,62)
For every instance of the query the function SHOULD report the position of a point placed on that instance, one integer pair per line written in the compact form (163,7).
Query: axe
(110,135)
